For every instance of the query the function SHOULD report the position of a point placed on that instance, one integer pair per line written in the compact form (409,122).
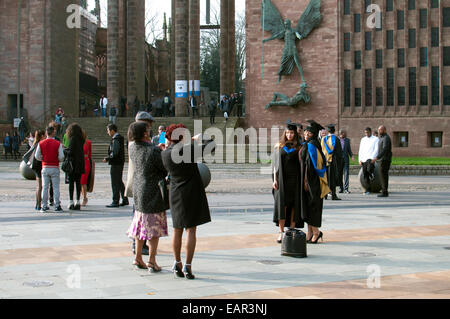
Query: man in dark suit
(346,153)
(384,157)
(116,159)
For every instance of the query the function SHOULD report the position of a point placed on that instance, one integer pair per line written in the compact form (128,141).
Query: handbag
(164,188)
(67,166)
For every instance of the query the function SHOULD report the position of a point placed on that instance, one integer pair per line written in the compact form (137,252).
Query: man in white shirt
(103,105)
(368,150)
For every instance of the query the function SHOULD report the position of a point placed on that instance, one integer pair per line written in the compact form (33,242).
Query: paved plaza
(398,247)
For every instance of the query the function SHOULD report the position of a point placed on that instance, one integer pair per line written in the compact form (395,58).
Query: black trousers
(368,171)
(74,180)
(384,168)
(117,185)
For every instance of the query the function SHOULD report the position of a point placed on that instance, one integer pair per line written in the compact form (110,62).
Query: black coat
(148,171)
(347,151)
(311,201)
(384,148)
(279,212)
(336,167)
(75,152)
(187,197)
(116,151)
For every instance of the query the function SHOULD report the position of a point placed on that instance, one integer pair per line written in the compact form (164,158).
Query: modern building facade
(369,63)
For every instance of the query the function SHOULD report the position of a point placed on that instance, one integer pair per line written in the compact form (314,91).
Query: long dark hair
(75,131)
(284,140)
(37,136)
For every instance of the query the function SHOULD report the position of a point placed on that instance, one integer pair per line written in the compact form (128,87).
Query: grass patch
(420,161)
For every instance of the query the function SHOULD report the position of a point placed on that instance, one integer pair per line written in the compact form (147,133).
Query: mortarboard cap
(291,126)
(313,127)
(331,128)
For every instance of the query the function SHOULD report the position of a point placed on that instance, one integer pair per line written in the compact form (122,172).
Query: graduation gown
(331,148)
(313,174)
(187,197)
(288,192)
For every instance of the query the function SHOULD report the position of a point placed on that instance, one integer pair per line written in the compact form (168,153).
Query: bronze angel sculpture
(271,21)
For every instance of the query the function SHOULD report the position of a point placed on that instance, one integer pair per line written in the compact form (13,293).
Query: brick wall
(318,58)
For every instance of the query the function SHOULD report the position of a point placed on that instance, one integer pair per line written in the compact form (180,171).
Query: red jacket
(50,151)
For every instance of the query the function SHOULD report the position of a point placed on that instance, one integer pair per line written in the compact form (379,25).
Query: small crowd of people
(309,164)
(44,158)
(151,169)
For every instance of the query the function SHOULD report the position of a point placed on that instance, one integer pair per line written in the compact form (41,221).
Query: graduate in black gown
(286,181)
(331,148)
(314,184)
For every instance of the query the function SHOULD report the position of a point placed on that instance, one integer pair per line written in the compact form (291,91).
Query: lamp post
(19,11)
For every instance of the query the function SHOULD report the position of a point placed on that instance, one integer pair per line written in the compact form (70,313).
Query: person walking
(123,106)
(75,153)
(368,151)
(347,154)
(187,197)
(103,105)
(384,159)
(15,142)
(150,221)
(194,105)
(87,151)
(113,114)
(212,111)
(7,145)
(313,182)
(331,148)
(50,153)
(286,178)
(146,118)
(116,159)
(22,129)
(167,104)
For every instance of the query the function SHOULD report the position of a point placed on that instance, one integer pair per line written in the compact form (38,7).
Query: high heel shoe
(308,241)
(176,270)
(280,239)
(84,203)
(188,272)
(317,239)
(139,265)
(153,267)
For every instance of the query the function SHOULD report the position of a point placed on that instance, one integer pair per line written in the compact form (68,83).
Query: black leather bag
(294,243)
(67,166)
(164,188)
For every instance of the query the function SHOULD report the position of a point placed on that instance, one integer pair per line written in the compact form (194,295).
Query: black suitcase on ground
(294,243)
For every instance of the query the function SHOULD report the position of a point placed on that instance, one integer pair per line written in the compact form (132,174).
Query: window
(367,3)
(401,58)
(357,22)
(400,20)
(435,96)
(368,92)
(446,56)
(390,87)
(346,7)
(434,37)
(411,4)
(357,97)
(424,95)
(423,18)
(446,95)
(368,41)
(389,5)
(424,56)
(446,17)
(357,60)
(347,87)
(379,96)
(434,4)
(379,59)
(401,91)
(435,139)
(412,38)
(401,139)
(390,39)
(412,86)
(347,41)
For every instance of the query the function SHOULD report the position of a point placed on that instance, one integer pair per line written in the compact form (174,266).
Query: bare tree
(153,27)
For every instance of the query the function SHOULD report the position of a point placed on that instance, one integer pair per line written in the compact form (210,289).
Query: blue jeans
(103,112)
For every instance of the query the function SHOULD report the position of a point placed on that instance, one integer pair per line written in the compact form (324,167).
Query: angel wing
(310,18)
(271,19)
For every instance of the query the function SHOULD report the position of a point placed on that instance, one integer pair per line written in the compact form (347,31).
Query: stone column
(181,50)
(194,42)
(172,52)
(135,50)
(227,46)
(113,53)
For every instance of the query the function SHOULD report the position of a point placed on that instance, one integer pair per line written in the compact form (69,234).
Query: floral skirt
(148,226)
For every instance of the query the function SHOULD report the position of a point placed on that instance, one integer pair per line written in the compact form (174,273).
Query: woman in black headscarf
(314,184)
(286,181)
